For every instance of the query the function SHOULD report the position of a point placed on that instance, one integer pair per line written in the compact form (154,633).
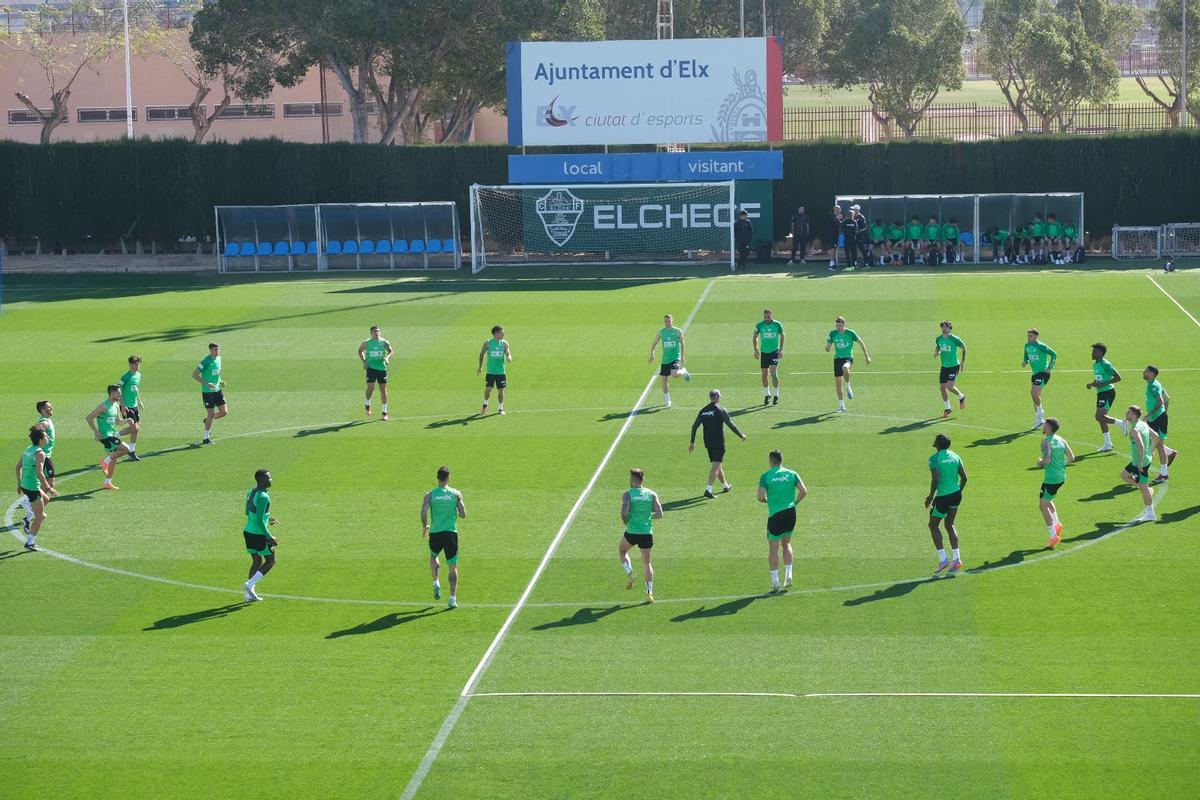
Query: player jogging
(1040,358)
(1157,401)
(1137,471)
(208,375)
(375,354)
(639,508)
(842,339)
(498,354)
(673,356)
(946,346)
(1056,454)
(781,489)
(45,410)
(1105,375)
(131,402)
(767,342)
(32,484)
(445,505)
(103,422)
(948,478)
(260,544)
(714,417)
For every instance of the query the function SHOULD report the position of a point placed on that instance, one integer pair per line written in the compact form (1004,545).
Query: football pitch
(132,667)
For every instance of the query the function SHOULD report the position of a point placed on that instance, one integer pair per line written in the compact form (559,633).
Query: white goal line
(858,695)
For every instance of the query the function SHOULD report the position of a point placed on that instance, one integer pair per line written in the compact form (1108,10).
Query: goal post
(617,223)
(1181,239)
(1137,241)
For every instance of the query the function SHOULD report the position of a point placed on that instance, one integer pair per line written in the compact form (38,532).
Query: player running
(842,339)
(714,417)
(375,354)
(260,544)
(948,478)
(639,508)
(1105,375)
(767,342)
(32,484)
(131,403)
(445,505)
(1137,471)
(208,375)
(1056,454)
(45,410)
(498,353)
(1040,358)
(1157,401)
(781,489)
(104,423)
(946,346)
(673,356)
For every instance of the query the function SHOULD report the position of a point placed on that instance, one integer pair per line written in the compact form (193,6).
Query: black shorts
(895,242)
(768,359)
(1036,240)
(1106,399)
(259,544)
(948,375)
(666,369)
(132,414)
(213,399)
(946,503)
(838,364)
(716,452)
(877,242)
(1158,424)
(444,542)
(377,376)
(1040,378)
(1049,491)
(782,522)
(1141,473)
(48,468)
(32,494)
(643,541)
(494,381)
(110,443)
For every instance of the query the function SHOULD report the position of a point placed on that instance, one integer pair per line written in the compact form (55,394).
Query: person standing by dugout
(799,234)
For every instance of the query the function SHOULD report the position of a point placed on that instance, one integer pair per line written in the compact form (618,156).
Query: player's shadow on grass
(687,502)
(1094,454)
(915,425)
(1116,491)
(331,428)
(467,420)
(1004,438)
(12,553)
(737,412)
(640,412)
(387,621)
(891,592)
(1180,515)
(70,498)
(724,610)
(813,420)
(166,451)
(179,620)
(584,616)
(1012,559)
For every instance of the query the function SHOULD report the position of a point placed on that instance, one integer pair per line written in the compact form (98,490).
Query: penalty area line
(862,695)
(1173,300)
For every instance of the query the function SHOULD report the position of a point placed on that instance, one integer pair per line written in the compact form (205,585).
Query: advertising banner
(659,91)
(646,167)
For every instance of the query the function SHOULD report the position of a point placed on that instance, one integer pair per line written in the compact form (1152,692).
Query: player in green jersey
(767,342)
(208,375)
(104,421)
(639,508)
(498,354)
(45,411)
(842,340)
(895,242)
(1104,376)
(1157,401)
(948,478)
(913,234)
(444,505)
(1072,252)
(999,238)
(32,485)
(877,232)
(260,544)
(781,489)
(1040,358)
(1054,234)
(1056,454)
(673,356)
(1137,471)
(375,353)
(950,234)
(131,402)
(1037,238)
(946,347)
(933,240)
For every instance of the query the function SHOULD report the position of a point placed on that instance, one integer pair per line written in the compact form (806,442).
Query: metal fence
(107,17)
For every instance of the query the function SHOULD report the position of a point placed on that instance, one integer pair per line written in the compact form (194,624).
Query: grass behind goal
(121,686)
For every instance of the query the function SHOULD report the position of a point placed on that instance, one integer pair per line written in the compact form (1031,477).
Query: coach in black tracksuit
(743,237)
(714,418)
(799,234)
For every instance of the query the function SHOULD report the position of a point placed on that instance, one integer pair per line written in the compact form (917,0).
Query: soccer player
(673,356)
(912,238)
(933,237)
(375,354)
(1070,241)
(208,375)
(1157,401)
(32,483)
(1137,471)
(999,245)
(1105,375)
(1054,234)
(946,346)
(1037,238)
(446,507)
(948,478)
(1056,453)
(260,544)
(781,489)
(950,234)
(1040,358)
(131,403)
(895,242)
(639,508)
(714,417)
(103,422)
(852,224)
(842,340)
(498,353)
(878,251)
(835,232)
(767,342)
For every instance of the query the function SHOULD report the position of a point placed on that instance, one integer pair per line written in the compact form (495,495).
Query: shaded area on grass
(584,616)
(387,621)
(179,620)
(727,609)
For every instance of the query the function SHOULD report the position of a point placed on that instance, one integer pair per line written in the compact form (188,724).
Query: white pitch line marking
(861,695)
(1173,300)
(636,694)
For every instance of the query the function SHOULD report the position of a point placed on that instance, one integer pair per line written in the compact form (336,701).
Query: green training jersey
(443,509)
(1040,357)
(895,232)
(1154,392)
(376,351)
(29,478)
(48,447)
(946,464)
(877,233)
(780,483)
(1037,228)
(671,339)
(1140,432)
(210,374)
(258,511)
(1104,372)
(933,231)
(106,422)
(914,231)
(843,342)
(495,356)
(948,349)
(769,334)
(131,388)
(950,233)
(1055,470)
(1000,236)
(1053,229)
(1069,232)
(641,510)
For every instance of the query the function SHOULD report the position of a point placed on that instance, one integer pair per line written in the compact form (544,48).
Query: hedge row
(83,195)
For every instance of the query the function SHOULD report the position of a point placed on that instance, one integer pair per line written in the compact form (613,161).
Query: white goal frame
(1122,250)
(1172,247)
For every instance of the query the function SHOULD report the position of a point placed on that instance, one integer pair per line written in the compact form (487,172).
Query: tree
(903,51)
(1164,86)
(999,55)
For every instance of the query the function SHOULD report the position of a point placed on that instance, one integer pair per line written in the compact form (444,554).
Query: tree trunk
(356,95)
(200,123)
(56,117)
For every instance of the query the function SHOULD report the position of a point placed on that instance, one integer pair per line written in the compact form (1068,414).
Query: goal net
(614,223)
(1182,239)
(1142,241)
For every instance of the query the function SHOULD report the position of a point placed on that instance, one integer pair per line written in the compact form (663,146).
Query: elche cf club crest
(743,114)
(560,211)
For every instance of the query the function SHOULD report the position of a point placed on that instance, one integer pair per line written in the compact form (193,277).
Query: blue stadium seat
(248,249)
(333,247)
(383,246)
(434,246)
(449,246)
(416,246)
(350,246)
(298,248)
(282,249)
(367,246)
(310,249)
(400,246)
(231,249)
(967,237)
(264,248)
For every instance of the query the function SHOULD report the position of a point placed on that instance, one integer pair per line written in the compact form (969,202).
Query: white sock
(132,447)
(956,558)
(29,539)
(667,398)
(787,571)
(728,485)
(384,407)
(454,598)
(485,403)
(207,433)
(254,579)
(708,488)
(367,402)
(628,567)
(842,405)
(1107,438)
(947,405)
(1054,517)
(106,460)
(1050,530)
(774,577)
(777,391)
(108,481)
(25,504)
(501,406)
(766,392)
(942,554)
(437,584)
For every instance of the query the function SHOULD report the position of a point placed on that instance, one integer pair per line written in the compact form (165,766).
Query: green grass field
(980,92)
(133,670)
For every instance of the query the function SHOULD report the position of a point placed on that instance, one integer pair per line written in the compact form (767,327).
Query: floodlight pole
(742,18)
(128,78)
(1183,77)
